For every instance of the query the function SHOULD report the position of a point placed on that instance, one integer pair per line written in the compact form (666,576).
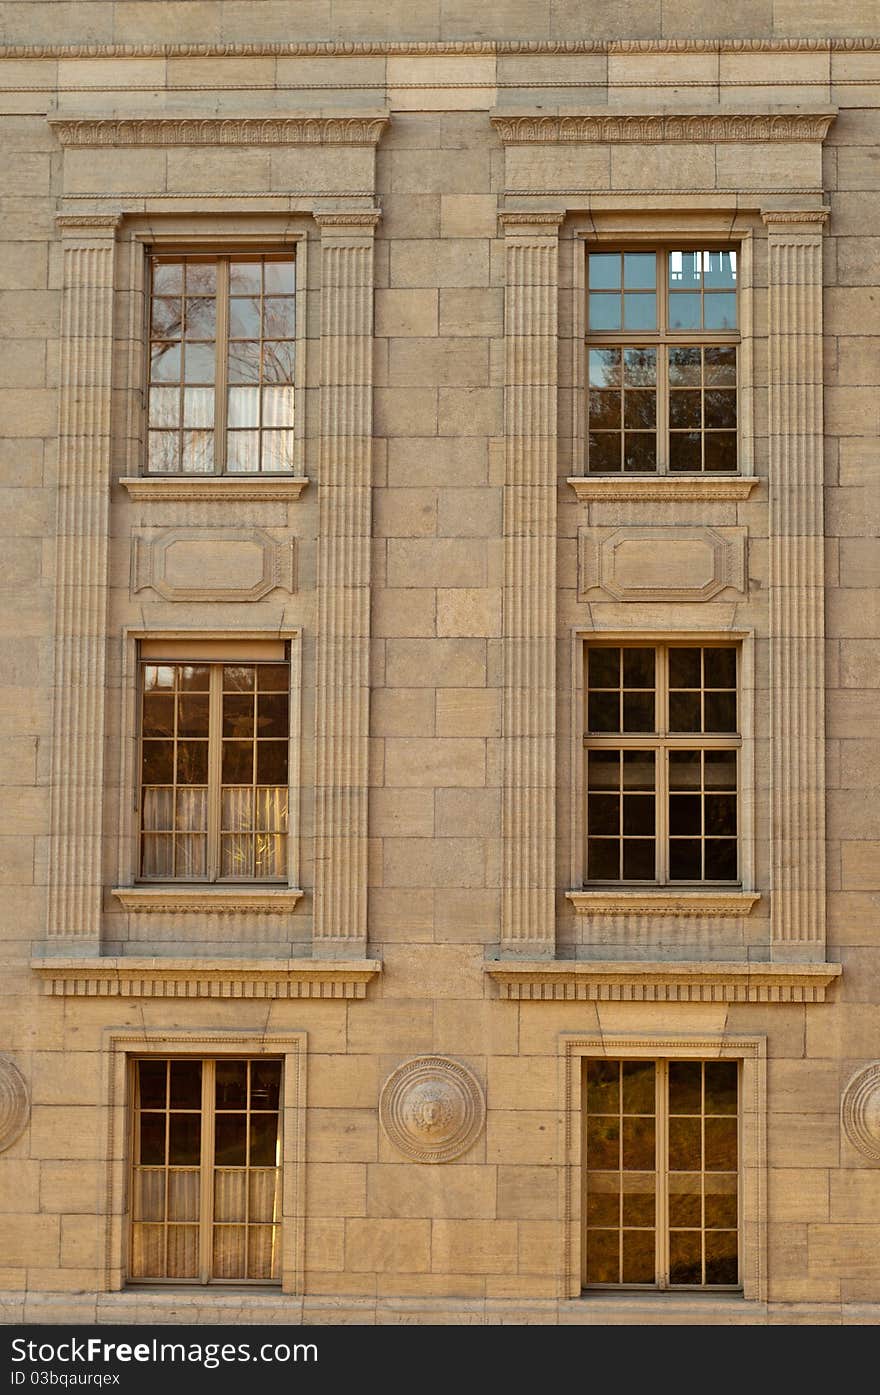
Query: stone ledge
(677,903)
(319,128)
(202,900)
(224,488)
(662,982)
(596,488)
(194,978)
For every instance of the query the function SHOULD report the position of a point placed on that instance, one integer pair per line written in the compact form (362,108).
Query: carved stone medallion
(14,1102)
(432,1108)
(860,1111)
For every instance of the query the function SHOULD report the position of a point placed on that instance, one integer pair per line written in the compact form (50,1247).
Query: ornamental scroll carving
(860,1111)
(432,1109)
(14,1103)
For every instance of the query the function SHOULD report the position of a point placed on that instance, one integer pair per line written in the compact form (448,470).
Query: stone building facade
(439,655)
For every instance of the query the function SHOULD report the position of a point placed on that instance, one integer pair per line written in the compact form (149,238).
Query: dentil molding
(223,489)
(333,48)
(860,1111)
(14,1103)
(432,1109)
(637,981)
(660,488)
(196,978)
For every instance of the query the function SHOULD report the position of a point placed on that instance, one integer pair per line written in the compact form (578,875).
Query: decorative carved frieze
(860,1111)
(663,982)
(225,489)
(432,1109)
(332,48)
(666,128)
(80,630)
(663,903)
(351,129)
(528,922)
(14,1103)
(797,585)
(661,563)
(343,565)
(212,564)
(591,489)
(193,978)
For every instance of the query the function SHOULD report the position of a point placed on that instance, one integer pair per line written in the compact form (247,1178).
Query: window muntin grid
(662,368)
(214,771)
(206,1170)
(661,1173)
(222,350)
(661,755)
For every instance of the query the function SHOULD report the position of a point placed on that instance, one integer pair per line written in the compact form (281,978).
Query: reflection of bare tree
(278,361)
(244,361)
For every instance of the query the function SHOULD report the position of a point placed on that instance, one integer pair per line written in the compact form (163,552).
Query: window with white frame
(661,1154)
(206,1170)
(222,333)
(662,347)
(662,753)
(214,761)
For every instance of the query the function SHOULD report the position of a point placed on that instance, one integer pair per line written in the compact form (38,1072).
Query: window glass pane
(272,762)
(639,1199)
(244,406)
(684,270)
(186,1084)
(638,668)
(638,815)
(243,362)
(238,762)
(720,365)
(638,1087)
(603,860)
(198,363)
(640,410)
(603,1087)
(278,451)
(238,715)
(244,318)
(639,310)
(685,814)
(604,367)
(152,1138)
(230,1140)
(638,1256)
(165,363)
(263,1140)
(719,310)
(201,318)
(279,317)
(640,367)
(603,1198)
(603,712)
(685,1257)
(152,1084)
(158,762)
(721,1261)
(684,712)
(167,278)
(266,1084)
(605,311)
(685,861)
(684,367)
(684,409)
(243,452)
(720,711)
(721,1087)
(603,1141)
(721,450)
(164,406)
(278,406)
(684,451)
(279,277)
(279,362)
(684,311)
(231,1084)
(166,318)
(603,1262)
(721,1144)
(684,770)
(604,452)
(198,406)
(201,278)
(605,409)
(192,762)
(603,814)
(685,1199)
(604,270)
(198,452)
(719,269)
(638,711)
(244,278)
(721,859)
(720,409)
(639,452)
(640,270)
(638,859)
(273,678)
(184,1139)
(604,769)
(638,770)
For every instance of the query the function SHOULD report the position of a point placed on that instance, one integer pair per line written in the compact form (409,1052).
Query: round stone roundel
(14,1104)
(860,1111)
(432,1108)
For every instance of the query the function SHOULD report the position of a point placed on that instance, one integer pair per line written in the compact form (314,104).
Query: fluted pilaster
(528,809)
(82,521)
(797,663)
(343,630)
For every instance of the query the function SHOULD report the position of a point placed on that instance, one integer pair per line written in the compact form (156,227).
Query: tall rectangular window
(661,1173)
(662,361)
(214,791)
(662,753)
(222,357)
(206,1170)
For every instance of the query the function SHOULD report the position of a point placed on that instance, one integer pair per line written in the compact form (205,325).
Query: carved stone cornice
(591,489)
(196,978)
(600,126)
(350,129)
(208,900)
(662,982)
(513,221)
(675,903)
(100,222)
(220,488)
(785,218)
(332,48)
(340,218)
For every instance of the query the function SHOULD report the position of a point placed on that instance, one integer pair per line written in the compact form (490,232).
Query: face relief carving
(432,1109)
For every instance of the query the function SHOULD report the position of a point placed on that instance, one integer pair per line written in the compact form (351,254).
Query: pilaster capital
(88,227)
(796,223)
(531,223)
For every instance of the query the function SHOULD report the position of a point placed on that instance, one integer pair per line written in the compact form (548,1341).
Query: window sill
(599,488)
(663,902)
(236,488)
(222,900)
(194,978)
(661,982)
